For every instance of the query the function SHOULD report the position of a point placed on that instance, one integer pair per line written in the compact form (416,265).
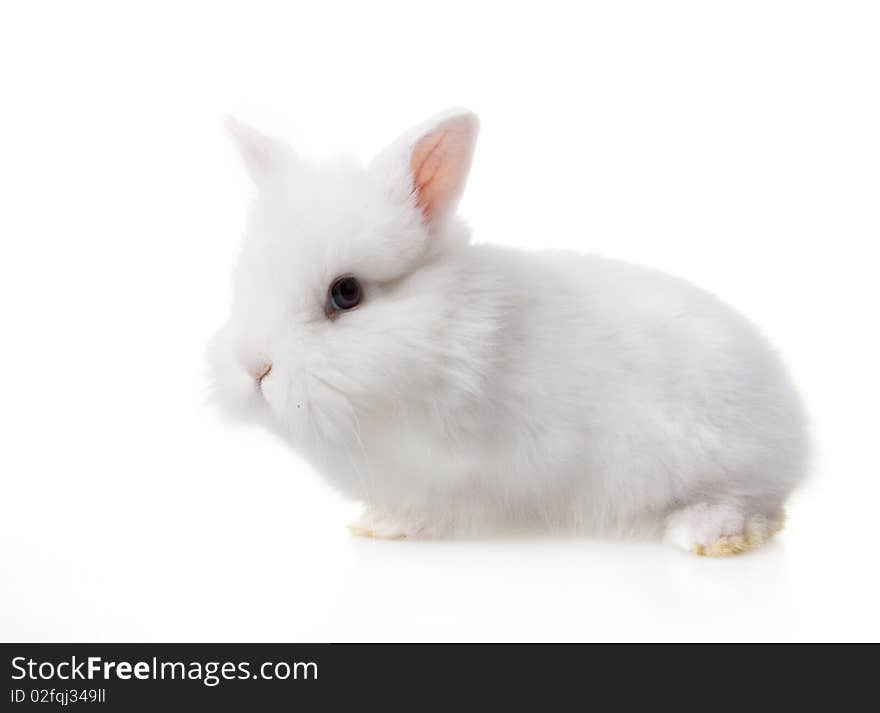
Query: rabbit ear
(432,162)
(262,155)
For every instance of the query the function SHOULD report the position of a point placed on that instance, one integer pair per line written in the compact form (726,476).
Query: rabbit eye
(345,293)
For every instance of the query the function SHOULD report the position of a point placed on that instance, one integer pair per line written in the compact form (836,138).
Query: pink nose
(262,372)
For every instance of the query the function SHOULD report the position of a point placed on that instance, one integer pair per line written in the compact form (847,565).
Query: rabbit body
(479,388)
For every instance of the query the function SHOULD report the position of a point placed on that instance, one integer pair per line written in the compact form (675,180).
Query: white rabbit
(457,388)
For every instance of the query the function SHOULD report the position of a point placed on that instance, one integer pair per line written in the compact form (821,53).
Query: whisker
(366,480)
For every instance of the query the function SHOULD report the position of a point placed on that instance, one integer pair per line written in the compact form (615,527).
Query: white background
(736,144)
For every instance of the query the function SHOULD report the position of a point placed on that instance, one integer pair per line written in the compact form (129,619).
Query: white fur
(482,387)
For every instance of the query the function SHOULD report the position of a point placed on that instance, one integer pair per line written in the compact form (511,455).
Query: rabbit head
(333,313)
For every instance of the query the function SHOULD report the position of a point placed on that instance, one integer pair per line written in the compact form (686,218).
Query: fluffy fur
(479,387)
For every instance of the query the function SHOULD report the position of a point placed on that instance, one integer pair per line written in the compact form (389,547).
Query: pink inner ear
(440,162)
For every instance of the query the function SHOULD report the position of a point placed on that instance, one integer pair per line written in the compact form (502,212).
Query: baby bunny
(455,388)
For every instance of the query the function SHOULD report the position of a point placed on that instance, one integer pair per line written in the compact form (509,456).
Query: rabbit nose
(262,372)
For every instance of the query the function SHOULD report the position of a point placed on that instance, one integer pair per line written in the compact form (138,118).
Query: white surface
(736,146)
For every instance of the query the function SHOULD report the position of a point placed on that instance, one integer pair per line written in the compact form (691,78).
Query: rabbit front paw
(384,526)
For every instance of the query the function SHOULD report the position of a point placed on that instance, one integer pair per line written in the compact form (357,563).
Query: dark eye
(345,293)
